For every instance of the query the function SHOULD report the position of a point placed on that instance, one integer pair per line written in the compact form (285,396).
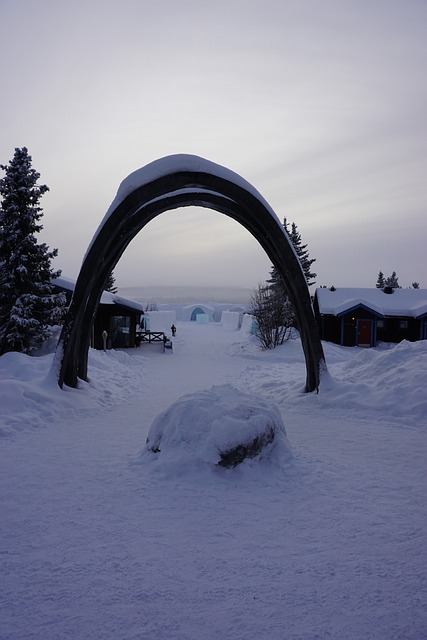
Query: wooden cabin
(119,317)
(364,317)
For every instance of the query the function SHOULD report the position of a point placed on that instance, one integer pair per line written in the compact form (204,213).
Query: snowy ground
(98,541)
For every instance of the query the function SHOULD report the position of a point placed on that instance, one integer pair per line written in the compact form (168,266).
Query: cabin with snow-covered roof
(116,315)
(364,317)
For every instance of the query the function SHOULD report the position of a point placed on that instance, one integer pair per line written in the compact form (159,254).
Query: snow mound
(221,426)
(30,396)
(387,382)
(390,379)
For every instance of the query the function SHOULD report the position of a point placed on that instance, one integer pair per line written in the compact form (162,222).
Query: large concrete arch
(170,183)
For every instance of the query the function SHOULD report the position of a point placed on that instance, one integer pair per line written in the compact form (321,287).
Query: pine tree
(110,285)
(380,280)
(392,281)
(415,285)
(28,306)
(275,281)
(303,255)
(271,305)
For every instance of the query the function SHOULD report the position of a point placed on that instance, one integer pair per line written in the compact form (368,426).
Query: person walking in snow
(173,329)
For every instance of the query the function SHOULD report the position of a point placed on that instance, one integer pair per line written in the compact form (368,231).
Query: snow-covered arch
(170,183)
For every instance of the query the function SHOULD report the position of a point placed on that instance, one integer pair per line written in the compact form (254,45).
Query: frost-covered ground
(100,541)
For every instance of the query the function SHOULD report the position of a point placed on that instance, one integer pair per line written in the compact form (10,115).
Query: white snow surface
(98,542)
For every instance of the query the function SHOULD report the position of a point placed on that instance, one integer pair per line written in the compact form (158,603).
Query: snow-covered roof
(124,302)
(410,303)
(64,283)
(106,298)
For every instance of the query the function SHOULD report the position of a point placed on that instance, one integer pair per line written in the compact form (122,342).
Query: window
(380,324)
(121,322)
(403,324)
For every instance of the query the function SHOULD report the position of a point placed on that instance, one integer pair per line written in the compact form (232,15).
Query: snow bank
(391,380)
(30,396)
(205,427)
(387,381)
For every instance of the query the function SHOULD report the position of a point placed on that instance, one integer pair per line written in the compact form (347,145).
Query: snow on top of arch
(174,164)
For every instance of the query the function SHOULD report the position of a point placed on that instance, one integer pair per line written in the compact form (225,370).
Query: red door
(364,333)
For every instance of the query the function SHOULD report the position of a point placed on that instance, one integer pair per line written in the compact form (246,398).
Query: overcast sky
(321,105)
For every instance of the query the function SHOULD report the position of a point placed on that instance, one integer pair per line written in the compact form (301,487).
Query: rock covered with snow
(220,426)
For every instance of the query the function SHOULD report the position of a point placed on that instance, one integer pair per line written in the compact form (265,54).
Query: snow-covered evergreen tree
(303,255)
(271,305)
(275,281)
(380,280)
(392,281)
(28,305)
